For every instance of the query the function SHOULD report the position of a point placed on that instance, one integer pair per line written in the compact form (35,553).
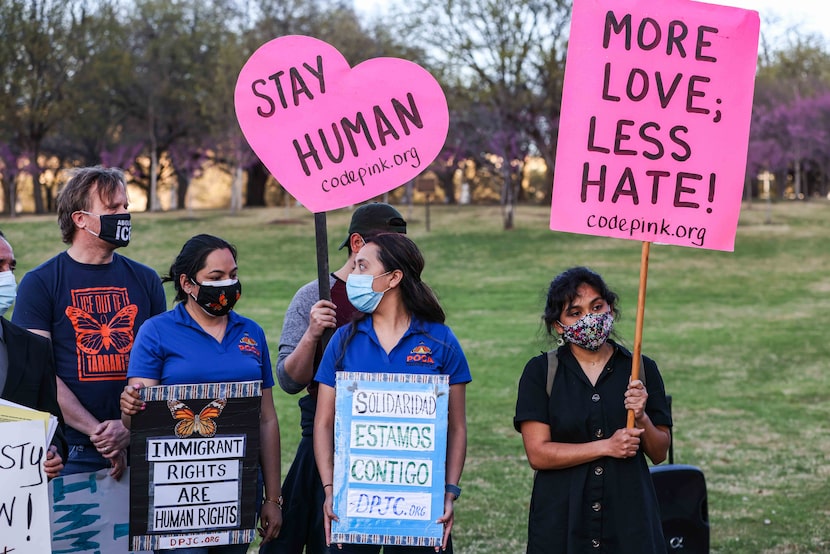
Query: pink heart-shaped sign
(334,135)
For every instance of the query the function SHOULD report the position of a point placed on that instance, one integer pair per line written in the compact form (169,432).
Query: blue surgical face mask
(8,291)
(360,292)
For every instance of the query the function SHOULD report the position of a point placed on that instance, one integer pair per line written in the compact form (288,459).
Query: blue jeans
(84,458)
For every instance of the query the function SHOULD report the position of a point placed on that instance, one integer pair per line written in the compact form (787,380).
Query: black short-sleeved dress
(606,506)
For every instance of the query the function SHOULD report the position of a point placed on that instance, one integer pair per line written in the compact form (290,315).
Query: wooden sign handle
(638,330)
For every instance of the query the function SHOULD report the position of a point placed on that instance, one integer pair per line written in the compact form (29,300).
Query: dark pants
(303,496)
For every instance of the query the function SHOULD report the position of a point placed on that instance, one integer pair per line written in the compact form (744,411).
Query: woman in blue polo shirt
(401,330)
(202,341)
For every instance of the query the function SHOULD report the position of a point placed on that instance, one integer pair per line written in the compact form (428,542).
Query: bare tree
(502,64)
(173,46)
(36,68)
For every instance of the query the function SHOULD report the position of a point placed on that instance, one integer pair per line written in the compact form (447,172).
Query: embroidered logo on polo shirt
(247,344)
(420,355)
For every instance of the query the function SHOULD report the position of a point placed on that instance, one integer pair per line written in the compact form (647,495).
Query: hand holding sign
(334,135)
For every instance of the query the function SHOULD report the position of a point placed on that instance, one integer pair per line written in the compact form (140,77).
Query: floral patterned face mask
(590,332)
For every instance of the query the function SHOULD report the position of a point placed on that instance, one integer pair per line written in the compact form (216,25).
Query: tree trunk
(37,188)
(236,190)
(153,201)
(257,179)
(13,197)
(445,178)
(154,168)
(183,182)
(508,200)
(50,200)
(10,192)
(407,197)
(549,178)
(797,180)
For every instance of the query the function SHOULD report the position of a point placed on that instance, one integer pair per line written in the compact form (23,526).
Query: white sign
(24,500)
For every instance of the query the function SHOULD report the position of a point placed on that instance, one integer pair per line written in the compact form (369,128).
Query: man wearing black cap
(300,351)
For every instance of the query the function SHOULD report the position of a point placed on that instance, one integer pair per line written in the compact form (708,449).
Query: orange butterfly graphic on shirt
(190,422)
(92,335)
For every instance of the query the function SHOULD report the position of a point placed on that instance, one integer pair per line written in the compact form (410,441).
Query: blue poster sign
(390,449)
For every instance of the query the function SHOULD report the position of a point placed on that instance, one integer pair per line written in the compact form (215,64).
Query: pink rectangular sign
(655,121)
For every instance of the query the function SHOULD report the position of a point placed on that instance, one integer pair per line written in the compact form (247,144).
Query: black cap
(371,219)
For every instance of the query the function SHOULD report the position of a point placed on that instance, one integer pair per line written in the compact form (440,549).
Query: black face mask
(217,298)
(115,228)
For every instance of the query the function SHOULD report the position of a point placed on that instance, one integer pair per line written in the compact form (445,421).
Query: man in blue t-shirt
(90,302)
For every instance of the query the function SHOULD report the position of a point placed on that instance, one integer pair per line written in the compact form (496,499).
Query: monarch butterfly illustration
(223,301)
(190,422)
(92,335)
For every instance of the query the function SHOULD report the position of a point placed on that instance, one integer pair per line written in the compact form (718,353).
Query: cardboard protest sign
(24,501)
(390,446)
(655,121)
(194,460)
(334,135)
(90,513)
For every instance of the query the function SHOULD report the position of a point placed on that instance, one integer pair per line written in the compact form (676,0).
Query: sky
(805,15)
(776,15)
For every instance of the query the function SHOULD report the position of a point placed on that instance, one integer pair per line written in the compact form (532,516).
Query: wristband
(278,501)
(454,490)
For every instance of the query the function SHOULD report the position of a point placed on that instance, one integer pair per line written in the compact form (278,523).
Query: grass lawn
(741,339)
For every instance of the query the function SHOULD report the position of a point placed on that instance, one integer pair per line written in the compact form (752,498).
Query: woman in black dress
(592,491)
